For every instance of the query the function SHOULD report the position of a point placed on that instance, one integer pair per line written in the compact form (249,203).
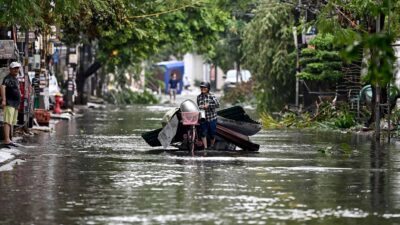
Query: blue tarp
(170,66)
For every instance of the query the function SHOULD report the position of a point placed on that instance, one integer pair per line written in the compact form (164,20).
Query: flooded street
(97,169)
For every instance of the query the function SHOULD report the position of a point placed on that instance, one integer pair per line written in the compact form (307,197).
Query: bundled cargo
(181,129)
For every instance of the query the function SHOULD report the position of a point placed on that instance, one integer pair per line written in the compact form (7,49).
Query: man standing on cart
(208,125)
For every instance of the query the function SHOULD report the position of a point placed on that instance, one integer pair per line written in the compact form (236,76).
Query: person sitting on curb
(11,97)
(208,102)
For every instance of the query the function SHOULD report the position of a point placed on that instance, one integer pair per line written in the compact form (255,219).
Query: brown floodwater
(96,169)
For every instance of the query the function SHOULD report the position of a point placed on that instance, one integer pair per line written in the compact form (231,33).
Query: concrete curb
(8,158)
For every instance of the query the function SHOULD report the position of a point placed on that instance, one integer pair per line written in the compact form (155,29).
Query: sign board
(36,62)
(21,36)
(72,50)
(73,59)
(36,86)
(71,86)
(53,33)
(7,49)
(31,75)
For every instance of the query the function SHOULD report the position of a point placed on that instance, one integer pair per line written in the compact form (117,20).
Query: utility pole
(377,92)
(297,65)
(388,86)
(27,93)
(296,43)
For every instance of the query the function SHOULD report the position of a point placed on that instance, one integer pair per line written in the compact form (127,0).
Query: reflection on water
(98,170)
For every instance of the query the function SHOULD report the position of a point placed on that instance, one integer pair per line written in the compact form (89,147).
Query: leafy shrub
(329,55)
(323,41)
(287,120)
(346,120)
(328,116)
(240,94)
(315,68)
(309,52)
(321,63)
(306,60)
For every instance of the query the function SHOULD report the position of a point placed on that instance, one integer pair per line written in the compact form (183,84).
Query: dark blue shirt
(13,95)
(173,84)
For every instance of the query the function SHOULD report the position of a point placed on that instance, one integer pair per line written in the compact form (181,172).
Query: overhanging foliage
(270,54)
(322,62)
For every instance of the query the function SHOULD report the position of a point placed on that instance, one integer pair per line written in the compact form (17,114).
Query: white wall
(220,79)
(197,69)
(397,53)
(193,67)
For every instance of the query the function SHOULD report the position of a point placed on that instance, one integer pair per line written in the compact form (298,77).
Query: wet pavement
(96,169)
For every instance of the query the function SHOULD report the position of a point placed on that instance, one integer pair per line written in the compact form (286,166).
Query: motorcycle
(190,118)
(181,128)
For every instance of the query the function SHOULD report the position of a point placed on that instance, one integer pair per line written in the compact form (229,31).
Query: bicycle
(191,119)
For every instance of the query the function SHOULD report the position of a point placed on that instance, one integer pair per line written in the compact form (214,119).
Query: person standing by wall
(186,83)
(173,87)
(209,103)
(11,98)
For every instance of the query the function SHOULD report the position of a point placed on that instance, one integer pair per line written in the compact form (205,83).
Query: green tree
(124,32)
(321,63)
(269,53)
(35,13)
(131,31)
(365,26)
(229,47)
